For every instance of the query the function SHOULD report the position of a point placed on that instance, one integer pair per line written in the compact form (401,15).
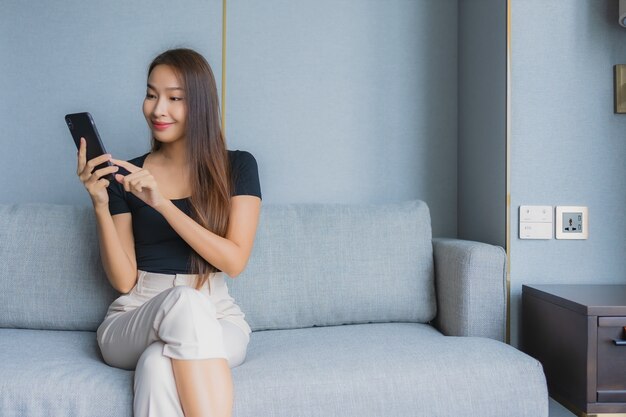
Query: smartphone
(82,125)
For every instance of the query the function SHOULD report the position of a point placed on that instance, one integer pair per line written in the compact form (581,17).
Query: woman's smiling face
(164,106)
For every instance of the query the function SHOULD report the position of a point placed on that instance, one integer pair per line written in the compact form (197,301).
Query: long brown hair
(207,155)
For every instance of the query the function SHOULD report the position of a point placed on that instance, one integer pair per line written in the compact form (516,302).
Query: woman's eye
(177,98)
(148,95)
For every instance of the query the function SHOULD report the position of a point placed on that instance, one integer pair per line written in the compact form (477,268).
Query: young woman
(177,221)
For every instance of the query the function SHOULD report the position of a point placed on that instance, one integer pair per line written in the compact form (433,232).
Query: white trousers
(164,317)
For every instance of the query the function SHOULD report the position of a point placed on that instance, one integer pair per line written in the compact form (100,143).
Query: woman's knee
(236,357)
(188,325)
(235,343)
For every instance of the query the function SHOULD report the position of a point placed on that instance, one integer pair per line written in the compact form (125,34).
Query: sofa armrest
(470,279)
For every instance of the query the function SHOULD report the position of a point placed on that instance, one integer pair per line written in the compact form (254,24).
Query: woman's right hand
(95,185)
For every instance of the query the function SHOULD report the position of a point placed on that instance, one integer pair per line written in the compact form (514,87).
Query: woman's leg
(235,343)
(176,325)
(207,384)
(156,386)
(181,317)
(205,387)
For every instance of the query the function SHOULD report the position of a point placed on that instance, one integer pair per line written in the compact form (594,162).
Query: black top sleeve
(117,199)
(246,175)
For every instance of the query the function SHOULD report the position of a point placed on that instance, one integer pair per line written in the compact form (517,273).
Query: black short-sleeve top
(158,247)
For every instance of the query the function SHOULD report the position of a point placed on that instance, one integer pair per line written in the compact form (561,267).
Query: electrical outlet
(572,222)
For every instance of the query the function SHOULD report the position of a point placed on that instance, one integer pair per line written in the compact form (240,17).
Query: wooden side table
(578,333)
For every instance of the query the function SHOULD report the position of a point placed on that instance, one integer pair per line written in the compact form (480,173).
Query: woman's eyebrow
(167,88)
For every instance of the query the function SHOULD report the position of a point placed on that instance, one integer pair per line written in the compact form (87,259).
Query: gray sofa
(355,311)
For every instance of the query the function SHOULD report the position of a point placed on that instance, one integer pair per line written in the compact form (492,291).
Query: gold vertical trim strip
(223,106)
(508,171)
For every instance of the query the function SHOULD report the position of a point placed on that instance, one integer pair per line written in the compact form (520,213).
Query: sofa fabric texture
(471,288)
(312,265)
(355,310)
(381,369)
(330,264)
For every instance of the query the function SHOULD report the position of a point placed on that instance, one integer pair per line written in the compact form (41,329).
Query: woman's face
(165,105)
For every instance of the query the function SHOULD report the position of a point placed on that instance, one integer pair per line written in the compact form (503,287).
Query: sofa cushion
(311,265)
(330,264)
(390,369)
(52,373)
(386,369)
(51,276)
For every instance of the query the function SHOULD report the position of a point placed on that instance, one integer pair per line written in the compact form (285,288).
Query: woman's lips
(161,126)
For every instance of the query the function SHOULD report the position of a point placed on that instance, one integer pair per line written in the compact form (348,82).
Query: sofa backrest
(311,265)
(331,264)
(51,276)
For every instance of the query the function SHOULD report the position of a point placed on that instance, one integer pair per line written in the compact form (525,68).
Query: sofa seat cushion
(59,373)
(384,369)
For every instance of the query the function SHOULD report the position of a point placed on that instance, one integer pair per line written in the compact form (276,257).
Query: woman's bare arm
(229,254)
(117,248)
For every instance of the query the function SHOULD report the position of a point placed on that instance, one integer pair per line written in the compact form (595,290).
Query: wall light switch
(572,222)
(535,222)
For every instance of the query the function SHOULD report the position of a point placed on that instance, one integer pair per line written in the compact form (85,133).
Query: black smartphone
(82,125)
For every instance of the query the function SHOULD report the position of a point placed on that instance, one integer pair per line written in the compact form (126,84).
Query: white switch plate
(535,222)
(572,222)
(530,230)
(540,214)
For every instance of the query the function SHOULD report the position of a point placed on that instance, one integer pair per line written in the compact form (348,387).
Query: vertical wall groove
(508,171)
(223,104)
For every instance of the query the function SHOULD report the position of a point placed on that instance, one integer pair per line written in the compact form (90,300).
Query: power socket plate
(572,222)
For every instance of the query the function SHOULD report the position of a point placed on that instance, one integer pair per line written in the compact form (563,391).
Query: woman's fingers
(132,180)
(102,182)
(93,185)
(97,174)
(137,183)
(91,164)
(124,164)
(138,178)
(81,157)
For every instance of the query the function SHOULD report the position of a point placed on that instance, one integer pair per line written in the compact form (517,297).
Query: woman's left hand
(141,183)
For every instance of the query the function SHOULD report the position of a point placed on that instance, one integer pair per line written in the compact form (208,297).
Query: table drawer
(611,385)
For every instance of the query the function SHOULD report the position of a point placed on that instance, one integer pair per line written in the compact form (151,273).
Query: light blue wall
(568,147)
(482,121)
(348,101)
(340,101)
(59,57)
